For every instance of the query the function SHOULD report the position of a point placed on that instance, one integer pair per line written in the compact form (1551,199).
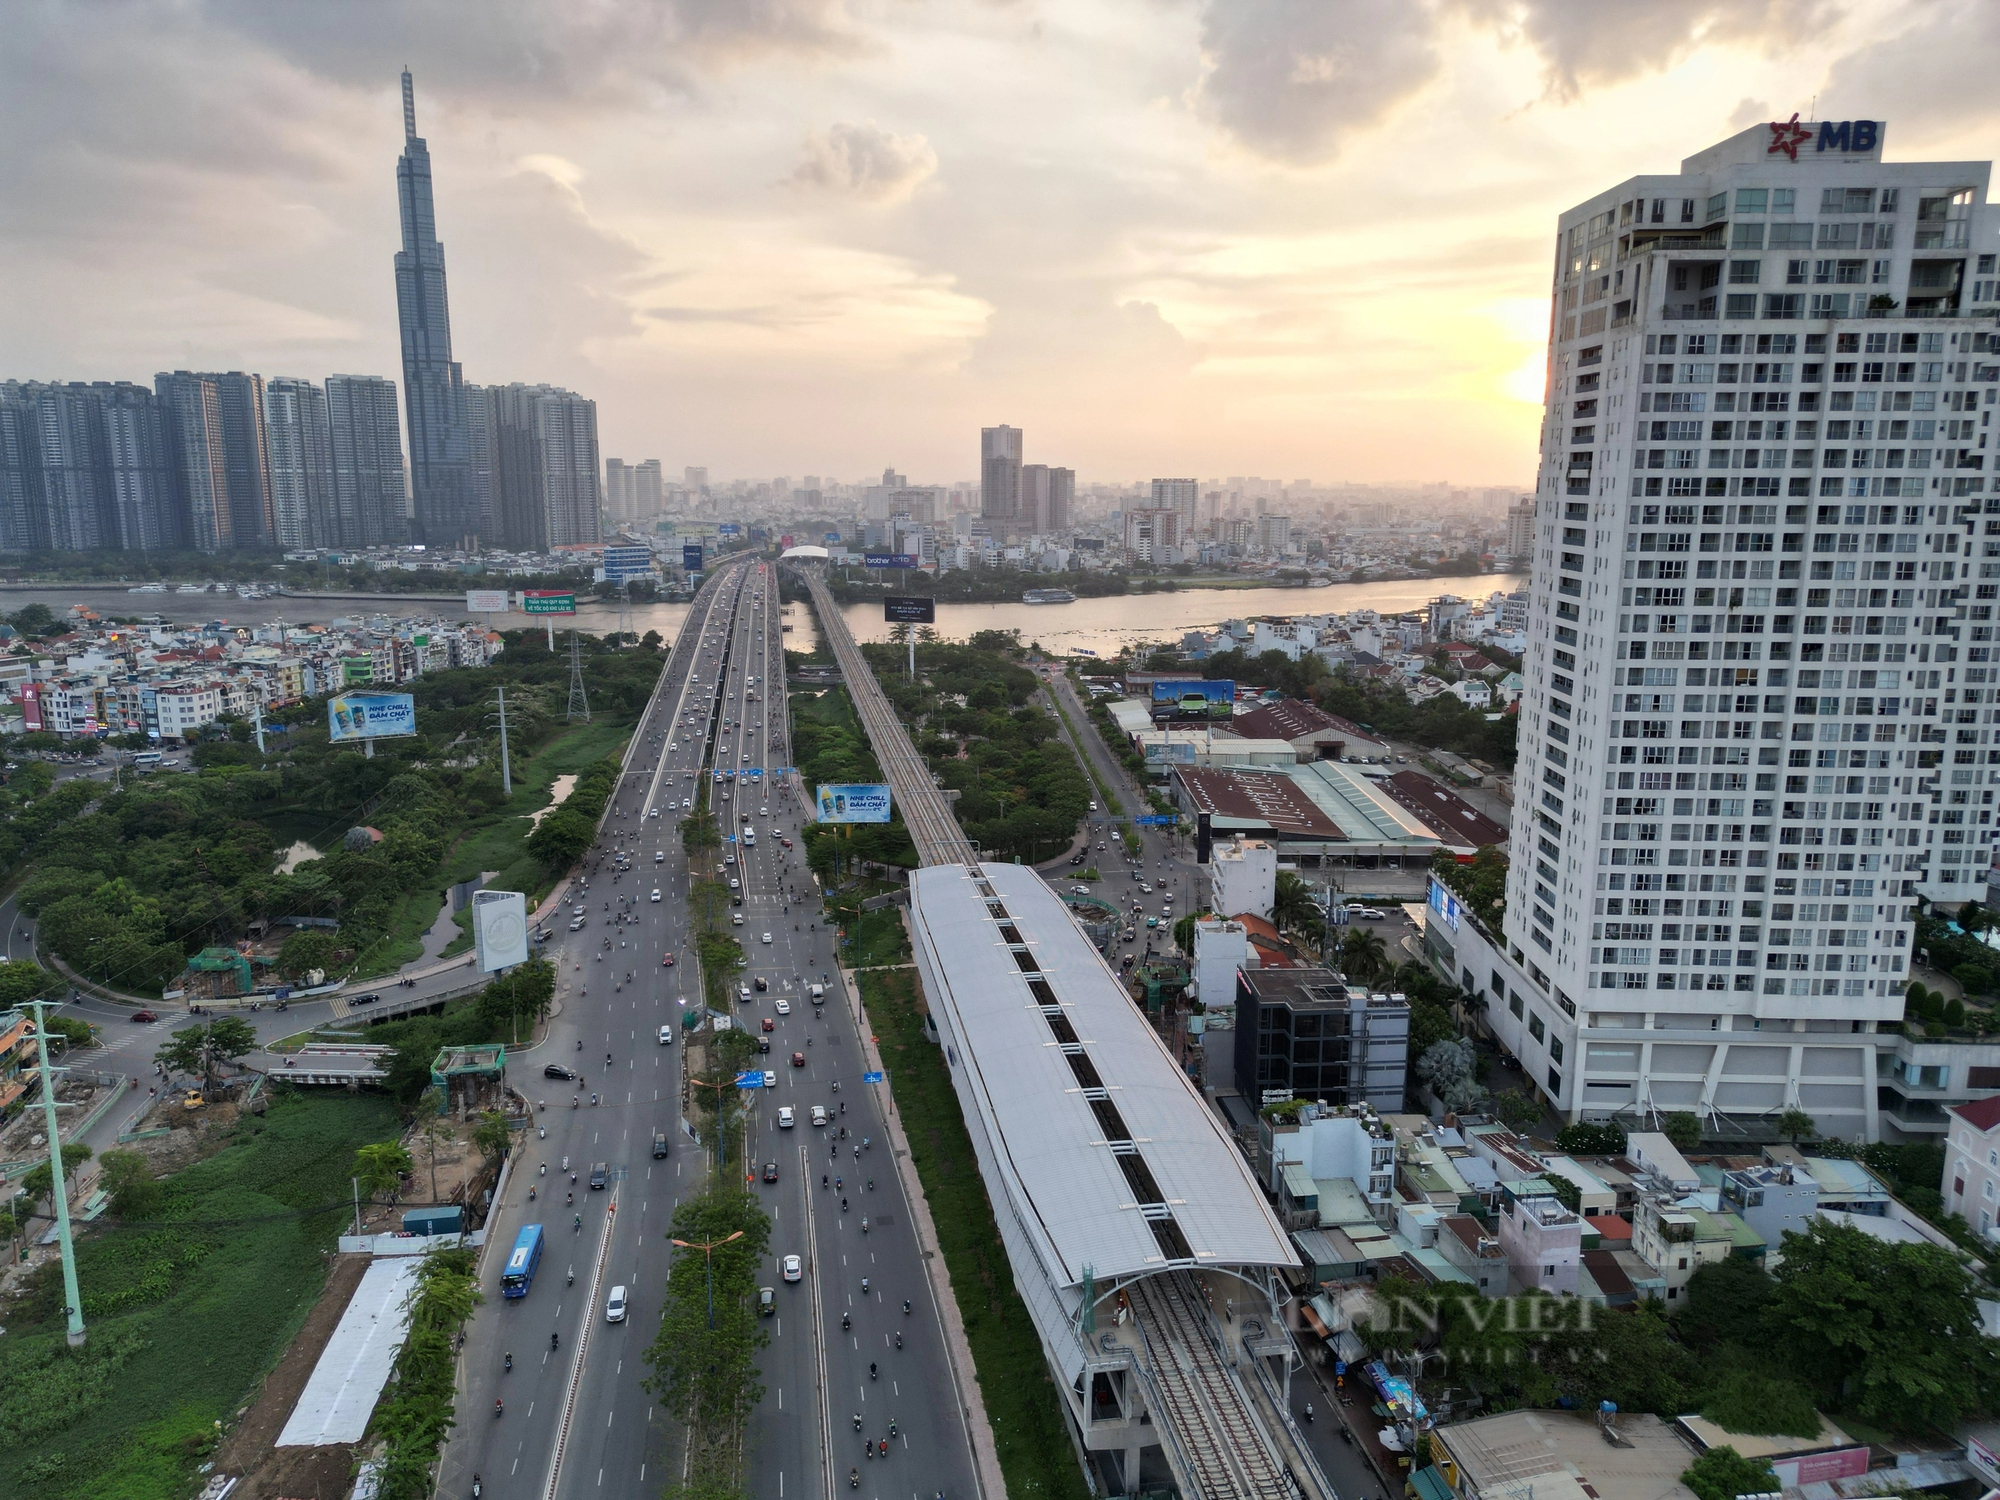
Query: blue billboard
(370,716)
(888,560)
(691,557)
(729,528)
(853,803)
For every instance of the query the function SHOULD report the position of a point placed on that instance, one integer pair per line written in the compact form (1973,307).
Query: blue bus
(527,1254)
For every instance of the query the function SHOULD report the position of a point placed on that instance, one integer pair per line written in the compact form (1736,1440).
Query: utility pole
(506,766)
(72,1297)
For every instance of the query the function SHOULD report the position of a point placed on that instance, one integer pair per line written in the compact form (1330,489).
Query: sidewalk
(985,1456)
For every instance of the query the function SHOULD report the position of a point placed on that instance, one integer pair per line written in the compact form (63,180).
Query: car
(1093,807)
(798,1059)
(599,1174)
(1116,835)
(145,1015)
(770,1171)
(782,1006)
(1100,845)
(819,1114)
(659,856)
(763,812)
(577,925)
(787,1117)
(655,812)
(659,1143)
(770,1079)
(1366,913)
(667,961)
(364,999)
(1145,889)
(614,1306)
(767,937)
(687,802)
(656,894)
(742,992)
(1152,921)
(763,1044)
(762,983)
(733,884)
(557,1070)
(767,1301)
(666,1036)
(786,842)
(730,859)
(793,1269)
(768,1024)
(1079,890)
(736,919)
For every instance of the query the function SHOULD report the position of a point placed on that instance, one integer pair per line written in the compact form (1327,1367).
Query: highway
(585,1395)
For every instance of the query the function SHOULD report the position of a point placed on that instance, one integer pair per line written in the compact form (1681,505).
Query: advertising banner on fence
(889,559)
(899,609)
(548,602)
(370,716)
(486,601)
(854,803)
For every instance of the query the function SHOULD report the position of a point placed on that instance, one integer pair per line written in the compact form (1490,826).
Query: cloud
(864,161)
(1935,74)
(1291,80)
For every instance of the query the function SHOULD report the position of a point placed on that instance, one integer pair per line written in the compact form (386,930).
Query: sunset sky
(825,236)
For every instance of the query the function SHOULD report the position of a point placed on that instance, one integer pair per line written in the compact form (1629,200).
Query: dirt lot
(294,1473)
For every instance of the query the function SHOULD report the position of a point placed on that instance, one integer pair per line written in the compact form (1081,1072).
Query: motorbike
(498,1408)
(846,1322)
(476,1490)
(899,1338)
(544,1133)
(853,1479)
(510,1364)
(864,1226)
(873,1371)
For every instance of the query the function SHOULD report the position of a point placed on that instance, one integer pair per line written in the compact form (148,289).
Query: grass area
(185,1316)
(1036,1456)
(499,842)
(403,942)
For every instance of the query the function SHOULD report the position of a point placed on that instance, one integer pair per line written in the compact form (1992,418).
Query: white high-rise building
(1762,714)
(1521,527)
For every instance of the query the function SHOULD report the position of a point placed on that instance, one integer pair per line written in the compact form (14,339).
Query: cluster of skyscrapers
(1017,499)
(220,461)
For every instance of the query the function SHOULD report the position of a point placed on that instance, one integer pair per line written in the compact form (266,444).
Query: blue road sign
(873,1077)
(750,1080)
(1156,820)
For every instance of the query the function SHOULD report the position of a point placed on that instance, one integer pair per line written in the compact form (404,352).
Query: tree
(1446,1069)
(21,981)
(1588,1139)
(135,1193)
(1293,909)
(198,1048)
(380,1168)
(432,1127)
(1725,1304)
(1763,1405)
(307,949)
(560,839)
(1362,953)
(67,1030)
(40,1181)
(1184,934)
(1796,1125)
(1890,1331)
(492,1135)
(1518,1109)
(1682,1129)
(1723,1474)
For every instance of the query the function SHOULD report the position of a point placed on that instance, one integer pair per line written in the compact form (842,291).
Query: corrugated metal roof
(1066,1182)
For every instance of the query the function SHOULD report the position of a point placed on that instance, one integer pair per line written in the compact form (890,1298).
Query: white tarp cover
(336,1403)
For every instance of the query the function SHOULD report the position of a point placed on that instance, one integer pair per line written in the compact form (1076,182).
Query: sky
(1289,238)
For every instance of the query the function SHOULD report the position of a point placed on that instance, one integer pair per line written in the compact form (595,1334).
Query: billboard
(548,601)
(1170,753)
(729,528)
(1214,690)
(854,803)
(31,706)
(486,601)
(902,609)
(691,557)
(370,716)
(889,560)
(500,929)
(1445,903)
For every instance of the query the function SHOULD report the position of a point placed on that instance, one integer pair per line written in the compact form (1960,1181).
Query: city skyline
(1238,276)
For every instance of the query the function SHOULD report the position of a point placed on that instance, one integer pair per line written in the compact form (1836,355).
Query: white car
(666,1036)
(656,894)
(763,812)
(767,937)
(743,992)
(733,883)
(614,1306)
(659,856)
(783,1006)
(787,1117)
(819,1114)
(793,1269)
(770,1079)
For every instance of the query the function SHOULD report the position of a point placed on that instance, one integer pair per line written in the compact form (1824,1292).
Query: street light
(708,1259)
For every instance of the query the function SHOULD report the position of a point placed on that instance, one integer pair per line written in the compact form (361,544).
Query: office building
(369,505)
(1062,501)
(85,466)
(1034,499)
(1000,478)
(535,466)
(1308,1034)
(433,382)
(301,450)
(1761,702)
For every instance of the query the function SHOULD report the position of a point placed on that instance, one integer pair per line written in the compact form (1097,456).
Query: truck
(817,992)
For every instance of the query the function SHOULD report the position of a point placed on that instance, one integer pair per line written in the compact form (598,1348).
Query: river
(1104,625)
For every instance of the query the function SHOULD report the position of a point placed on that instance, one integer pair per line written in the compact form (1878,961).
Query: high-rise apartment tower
(1000,477)
(1761,709)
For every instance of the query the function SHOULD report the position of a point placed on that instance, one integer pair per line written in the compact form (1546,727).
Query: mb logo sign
(1848,137)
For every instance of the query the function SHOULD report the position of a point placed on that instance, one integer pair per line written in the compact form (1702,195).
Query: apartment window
(1796,272)
(1535,1027)
(1745,272)
(1790,237)
(1784,305)
(1783,199)
(1718,205)
(1746,237)
(1740,305)
(1835,200)
(1751,200)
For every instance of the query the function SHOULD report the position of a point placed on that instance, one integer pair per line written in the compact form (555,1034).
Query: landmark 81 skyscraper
(433,384)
